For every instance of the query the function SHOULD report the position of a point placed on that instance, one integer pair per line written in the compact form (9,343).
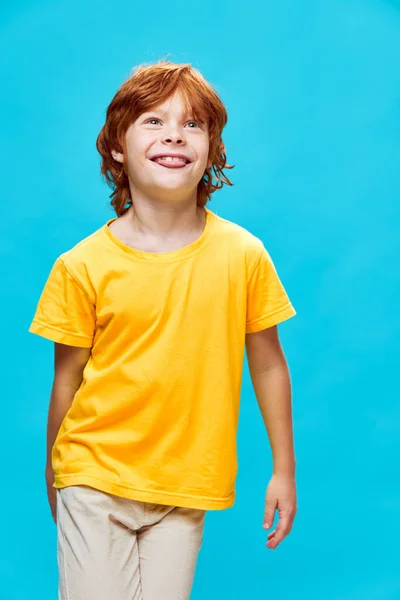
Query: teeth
(171,159)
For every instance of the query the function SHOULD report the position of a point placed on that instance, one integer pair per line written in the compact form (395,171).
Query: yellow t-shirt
(155,418)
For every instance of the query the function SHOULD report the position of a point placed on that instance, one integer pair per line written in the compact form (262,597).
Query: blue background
(312,91)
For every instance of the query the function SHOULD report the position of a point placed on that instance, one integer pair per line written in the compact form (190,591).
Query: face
(164,132)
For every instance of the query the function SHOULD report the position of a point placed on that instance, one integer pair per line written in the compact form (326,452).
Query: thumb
(269,513)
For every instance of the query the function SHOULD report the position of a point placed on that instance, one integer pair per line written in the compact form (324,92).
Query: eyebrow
(152,112)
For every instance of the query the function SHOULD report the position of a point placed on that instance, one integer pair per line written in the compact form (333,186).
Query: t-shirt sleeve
(267,301)
(64,313)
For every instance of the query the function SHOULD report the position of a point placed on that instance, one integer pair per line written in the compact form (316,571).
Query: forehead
(177,104)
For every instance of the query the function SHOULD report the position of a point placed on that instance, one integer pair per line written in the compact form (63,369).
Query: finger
(281,532)
(273,533)
(285,524)
(275,540)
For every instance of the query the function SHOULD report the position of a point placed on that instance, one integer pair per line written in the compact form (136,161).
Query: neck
(163,218)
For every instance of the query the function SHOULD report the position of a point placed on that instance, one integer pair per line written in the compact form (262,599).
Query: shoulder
(240,238)
(87,250)
(81,262)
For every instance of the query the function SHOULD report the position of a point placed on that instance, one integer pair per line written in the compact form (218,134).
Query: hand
(281,496)
(51,492)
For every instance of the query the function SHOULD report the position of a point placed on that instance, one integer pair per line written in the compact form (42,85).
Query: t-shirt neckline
(162,257)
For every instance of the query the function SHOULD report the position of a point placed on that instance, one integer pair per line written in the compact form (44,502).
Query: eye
(196,123)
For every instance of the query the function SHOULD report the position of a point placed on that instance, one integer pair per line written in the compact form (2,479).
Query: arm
(271,381)
(69,363)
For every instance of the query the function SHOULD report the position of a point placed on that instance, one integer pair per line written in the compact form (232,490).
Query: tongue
(175,164)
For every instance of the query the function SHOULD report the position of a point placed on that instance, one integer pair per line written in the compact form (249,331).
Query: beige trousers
(112,548)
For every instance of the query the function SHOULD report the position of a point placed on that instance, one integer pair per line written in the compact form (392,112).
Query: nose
(170,139)
(174,135)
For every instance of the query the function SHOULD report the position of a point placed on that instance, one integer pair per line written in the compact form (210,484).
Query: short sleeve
(64,313)
(267,301)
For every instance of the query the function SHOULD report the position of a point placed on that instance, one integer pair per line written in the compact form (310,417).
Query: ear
(118,156)
(209,164)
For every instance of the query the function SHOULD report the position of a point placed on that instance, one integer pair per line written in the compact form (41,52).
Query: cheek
(203,151)
(138,151)
(138,142)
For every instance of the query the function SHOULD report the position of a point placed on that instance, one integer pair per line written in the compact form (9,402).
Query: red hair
(147,87)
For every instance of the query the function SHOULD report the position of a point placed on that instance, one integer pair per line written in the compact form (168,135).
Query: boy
(150,316)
